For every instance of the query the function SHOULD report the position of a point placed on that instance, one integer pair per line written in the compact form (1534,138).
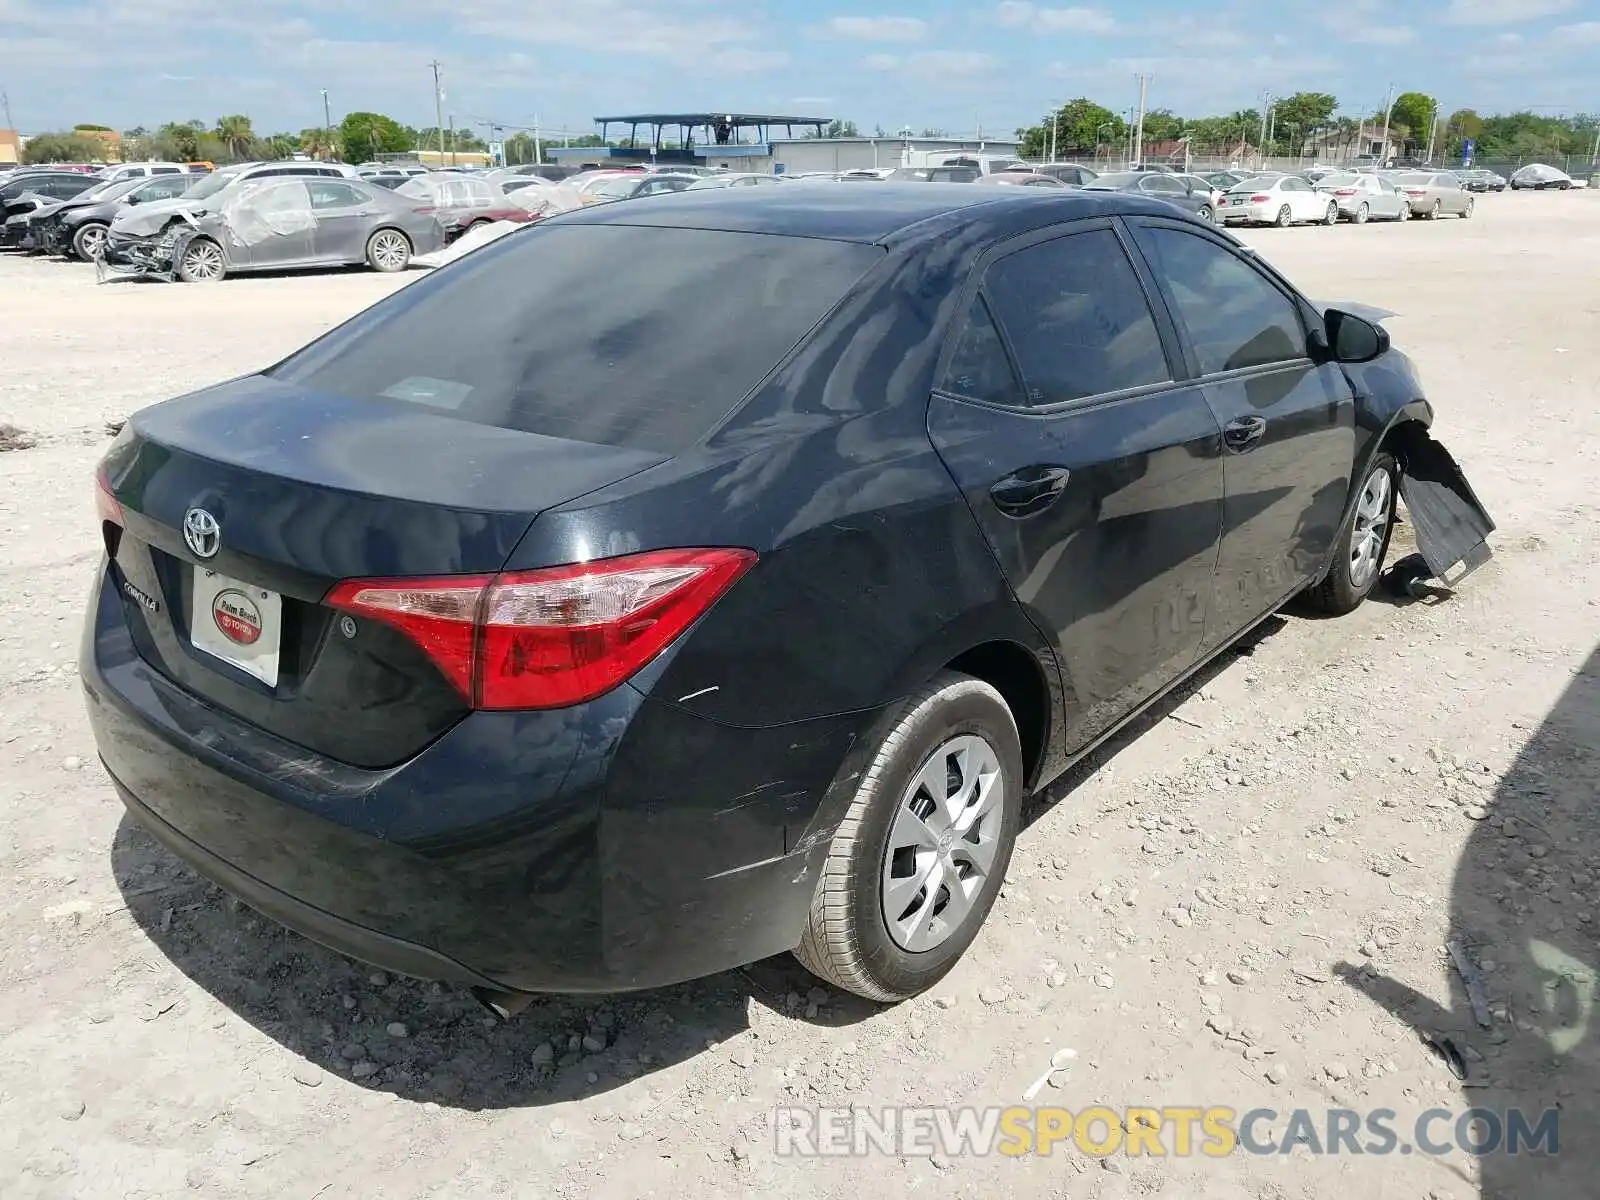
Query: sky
(958,67)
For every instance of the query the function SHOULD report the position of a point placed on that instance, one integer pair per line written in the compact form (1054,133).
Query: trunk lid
(305,490)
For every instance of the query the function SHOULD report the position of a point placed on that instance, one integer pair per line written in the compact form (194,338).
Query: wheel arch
(1021,680)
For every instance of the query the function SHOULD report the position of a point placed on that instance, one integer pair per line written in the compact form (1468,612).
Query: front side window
(1232,314)
(1077,318)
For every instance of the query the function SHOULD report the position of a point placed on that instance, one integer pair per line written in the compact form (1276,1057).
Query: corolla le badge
(201,532)
(237,617)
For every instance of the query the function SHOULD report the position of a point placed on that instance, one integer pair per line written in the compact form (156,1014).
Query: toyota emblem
(201,531)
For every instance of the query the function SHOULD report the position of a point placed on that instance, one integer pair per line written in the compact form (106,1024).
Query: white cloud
(1503,12)
(952,62)
(1017,14)
(1584,32)
(881,62)
(879,29)
(1380,35)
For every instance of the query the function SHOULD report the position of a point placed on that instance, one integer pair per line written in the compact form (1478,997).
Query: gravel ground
(1243,902)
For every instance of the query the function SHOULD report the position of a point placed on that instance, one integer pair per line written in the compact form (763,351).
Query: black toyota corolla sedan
(666,586)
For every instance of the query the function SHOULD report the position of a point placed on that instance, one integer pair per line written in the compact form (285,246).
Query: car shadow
(344,1017)
(1525,916)
(1043,803)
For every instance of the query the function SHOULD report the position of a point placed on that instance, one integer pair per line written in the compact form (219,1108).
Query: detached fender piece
(1452,527)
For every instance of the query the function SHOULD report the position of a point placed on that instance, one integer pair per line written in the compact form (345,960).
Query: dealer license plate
(237,622)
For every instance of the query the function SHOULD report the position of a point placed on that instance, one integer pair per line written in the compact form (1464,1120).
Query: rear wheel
(89,242)
(919,857)
(1331,217)
(388,251)
(1363,542)
(1467,210)
(202,262)
(1405,211)
(1433,213)
(1205,213)
(1284,217)
(1362,213)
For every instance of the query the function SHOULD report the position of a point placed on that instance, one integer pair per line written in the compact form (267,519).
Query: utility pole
(1138,137)
(1594,155)
(1388,103)
(452,139)
(1261,150)
(438,109)
(1433,128)
(327,125)
(538,153)
(1055,125)
(5,103)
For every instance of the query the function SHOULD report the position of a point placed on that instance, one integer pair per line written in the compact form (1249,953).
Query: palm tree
(237,134)
(319,143)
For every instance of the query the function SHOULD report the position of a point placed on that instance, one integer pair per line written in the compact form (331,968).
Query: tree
(62,148)
(278,145)
(1411,114)
(459,139)
(319,143)
(91,129)
(1080,127)
(364,135)
(237,134)
(1161,126)
(178,140)
(520,149)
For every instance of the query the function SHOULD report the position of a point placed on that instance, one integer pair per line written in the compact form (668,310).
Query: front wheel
(1284,217)
(1205,213)
(1363,542)
(1405,212)
(919,857)
(89,242)
(1362,213)
(202,262)
(1331,217)
(388,251)
(1433,213)
(1466,211)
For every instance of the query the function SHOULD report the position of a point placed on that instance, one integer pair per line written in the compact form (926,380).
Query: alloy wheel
(1371,527)
(389,251)
(942,844)
(93,242)
(203,261)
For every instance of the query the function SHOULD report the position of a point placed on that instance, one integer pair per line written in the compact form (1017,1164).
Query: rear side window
(613,334)
(1077,318)
(1233,315)
(979,367)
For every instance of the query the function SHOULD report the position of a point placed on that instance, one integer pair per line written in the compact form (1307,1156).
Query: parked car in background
(143,170)
(1159,185)
(984,164)
(1223,180)
(1021,179)
(866,174)
(554,172)
(732,179)
(933,175)
(1280,200)
(471,638)
(461,201)
(284,223)
(1363,198)
(1200,185)
(24,192)
(1071,174)
(35,221)
(1539,177)
(1433,194)
(630,187)
(1482,181)
(79,227)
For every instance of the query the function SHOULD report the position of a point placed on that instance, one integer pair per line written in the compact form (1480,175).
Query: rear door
(1288,423)
(1095,476)
(342,211)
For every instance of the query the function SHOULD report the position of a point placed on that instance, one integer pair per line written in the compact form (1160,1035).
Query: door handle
(1030,490)
(1244,433)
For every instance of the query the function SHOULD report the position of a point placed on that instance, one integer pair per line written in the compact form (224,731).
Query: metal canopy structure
(720,129)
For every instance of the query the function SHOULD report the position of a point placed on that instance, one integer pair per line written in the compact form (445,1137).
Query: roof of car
(858,214)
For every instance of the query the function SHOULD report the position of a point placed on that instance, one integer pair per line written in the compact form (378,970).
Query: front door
(341,211)
(1096,478)
(272,224)
(1288,423)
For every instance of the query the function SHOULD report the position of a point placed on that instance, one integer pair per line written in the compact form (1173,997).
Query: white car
(1282,200)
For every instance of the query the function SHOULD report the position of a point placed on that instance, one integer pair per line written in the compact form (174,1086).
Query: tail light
(1344,191)
(554,637)
(1260,199)
(105,504)
(1415,192)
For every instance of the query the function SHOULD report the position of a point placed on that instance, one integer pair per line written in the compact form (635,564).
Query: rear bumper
(617,845)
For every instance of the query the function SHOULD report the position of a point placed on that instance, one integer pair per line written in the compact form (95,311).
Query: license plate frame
(237,622)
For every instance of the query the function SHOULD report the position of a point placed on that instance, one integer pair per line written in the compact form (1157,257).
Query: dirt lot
(1244,902)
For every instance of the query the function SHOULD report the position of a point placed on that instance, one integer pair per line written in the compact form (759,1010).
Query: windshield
(210,185)
(1413,177)
(1251,185)
(615,189)
(1114,182)
(536,332)
(110,191)
(1337,179)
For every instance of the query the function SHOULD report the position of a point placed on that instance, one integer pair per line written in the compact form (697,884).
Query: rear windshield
(615,334)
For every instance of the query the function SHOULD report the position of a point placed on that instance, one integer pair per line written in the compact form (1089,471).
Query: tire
(1362,213)
(1466,212)
(1284,218)
(89,242)
(388,250)
(202,262)
(1331,217)
(1433,213)
(1363,544)
(1405,211)
(851,939)
(1205,213)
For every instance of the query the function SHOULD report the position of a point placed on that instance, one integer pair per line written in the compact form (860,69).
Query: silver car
(283,223)
(1364,198)
(1433,194)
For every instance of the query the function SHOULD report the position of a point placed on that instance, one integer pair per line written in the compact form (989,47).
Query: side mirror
(132,199)
(1353,339)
